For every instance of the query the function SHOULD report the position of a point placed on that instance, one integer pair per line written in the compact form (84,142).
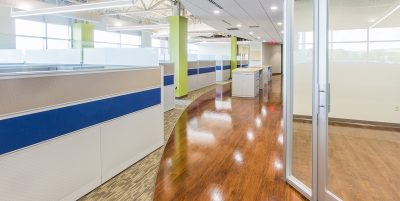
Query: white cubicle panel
(11,56)
(169,86)
(56,56)
(121,56)
(58,155)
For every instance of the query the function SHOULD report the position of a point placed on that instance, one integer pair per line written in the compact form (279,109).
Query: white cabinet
(246,82)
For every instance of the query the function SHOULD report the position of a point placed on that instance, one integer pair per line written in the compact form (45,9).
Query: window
(29,28)
(155,43)
(39,35)
(28,43)
(58,31)
(130,40)
(106,37)
(57,44)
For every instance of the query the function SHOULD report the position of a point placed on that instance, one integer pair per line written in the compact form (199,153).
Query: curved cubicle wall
(63,133)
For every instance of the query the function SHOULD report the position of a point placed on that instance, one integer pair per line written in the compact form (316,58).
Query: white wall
(221,49)
(363,75)
(7,29)
(271,55)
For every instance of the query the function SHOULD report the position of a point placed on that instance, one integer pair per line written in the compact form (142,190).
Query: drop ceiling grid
(275,16)
(255,11)
(204,10)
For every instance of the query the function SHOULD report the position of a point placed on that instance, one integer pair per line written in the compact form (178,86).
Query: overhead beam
(138,27)
(73,8)
(137,12)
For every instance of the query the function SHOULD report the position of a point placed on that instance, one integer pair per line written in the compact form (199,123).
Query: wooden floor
(363,164)
(225,148)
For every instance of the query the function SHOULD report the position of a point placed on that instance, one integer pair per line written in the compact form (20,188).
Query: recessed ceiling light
(371,20)
(251,33)
(239,25)
(216,12)
(274,7)
(279,23)
(258,37)
(118,24)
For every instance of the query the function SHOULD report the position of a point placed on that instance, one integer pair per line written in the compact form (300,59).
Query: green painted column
(234,52)
(178,31)
(82,36)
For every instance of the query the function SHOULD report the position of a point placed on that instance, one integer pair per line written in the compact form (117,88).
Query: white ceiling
(245,12)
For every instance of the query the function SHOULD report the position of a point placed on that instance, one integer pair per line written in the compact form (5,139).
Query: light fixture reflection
(250,135)
(279,23)
(278,164)
(258,122)
(264,111)
(237,155)
(216,195)
(274,7)
(280,138)
(216,12)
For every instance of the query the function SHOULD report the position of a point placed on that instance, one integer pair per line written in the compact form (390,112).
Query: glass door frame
(320,102)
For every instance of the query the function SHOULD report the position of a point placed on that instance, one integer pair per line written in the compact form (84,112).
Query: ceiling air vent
(254,26)
(226,22)
(215,4)
(232,29)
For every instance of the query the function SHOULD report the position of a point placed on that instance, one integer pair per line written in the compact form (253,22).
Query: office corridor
(226,148)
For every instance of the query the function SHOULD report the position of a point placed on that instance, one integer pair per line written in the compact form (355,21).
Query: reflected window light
(217,116)
(278,164)
(258,122)
(237,155)
(250,135)
(223,105)
(216,195)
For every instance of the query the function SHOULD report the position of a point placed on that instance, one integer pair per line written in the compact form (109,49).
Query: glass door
(361,76)
(342,99)
(299,77)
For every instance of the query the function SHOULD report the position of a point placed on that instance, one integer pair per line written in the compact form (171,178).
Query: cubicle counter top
(247,70)
(8,71)
(263,66)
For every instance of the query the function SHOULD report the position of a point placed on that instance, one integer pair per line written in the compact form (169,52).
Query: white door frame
(320,103)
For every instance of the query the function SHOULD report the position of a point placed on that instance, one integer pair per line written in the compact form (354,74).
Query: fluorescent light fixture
(279,23)
(216,12)
(239,25)
(274,7)
(251,33)
(138,27)
(73,8)
(386,15)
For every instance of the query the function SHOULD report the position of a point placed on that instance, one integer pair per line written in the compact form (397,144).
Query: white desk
(246,82)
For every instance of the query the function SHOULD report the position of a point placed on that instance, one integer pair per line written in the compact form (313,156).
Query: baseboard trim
(353,123)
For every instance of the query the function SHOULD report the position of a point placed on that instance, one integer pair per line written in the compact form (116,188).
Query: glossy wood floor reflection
(226,148)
